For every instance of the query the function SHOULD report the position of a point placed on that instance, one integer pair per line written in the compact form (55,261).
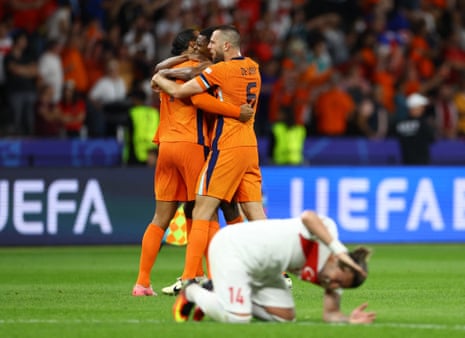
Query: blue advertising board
(374,204)
(42,206)
(75,206)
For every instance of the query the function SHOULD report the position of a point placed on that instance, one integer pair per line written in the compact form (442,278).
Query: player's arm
(211,104)
(171,62)
(332,308)
(332,311)
(178,91)
(184,73)
(314,224)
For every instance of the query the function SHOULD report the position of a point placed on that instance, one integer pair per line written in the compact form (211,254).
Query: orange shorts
(232,173)
(178,167)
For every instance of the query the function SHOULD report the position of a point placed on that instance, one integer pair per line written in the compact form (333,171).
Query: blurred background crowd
(81,68)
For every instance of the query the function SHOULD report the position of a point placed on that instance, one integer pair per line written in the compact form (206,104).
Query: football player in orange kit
(232,167)
(183,142)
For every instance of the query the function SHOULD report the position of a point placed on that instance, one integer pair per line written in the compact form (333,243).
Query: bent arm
(171,61)
(178,91)
(314,224)
(184,73)
(211,104)
(332,311)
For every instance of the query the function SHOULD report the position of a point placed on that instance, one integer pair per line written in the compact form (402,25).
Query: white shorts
(238,285)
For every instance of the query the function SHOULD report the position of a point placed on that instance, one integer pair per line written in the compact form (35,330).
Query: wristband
(337,247)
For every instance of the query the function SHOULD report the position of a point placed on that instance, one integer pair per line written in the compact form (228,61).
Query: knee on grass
(273,314)
(238,319)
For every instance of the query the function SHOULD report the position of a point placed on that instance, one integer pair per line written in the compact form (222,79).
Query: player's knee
(238,319)
(273,313)
(280,314)
(286,319)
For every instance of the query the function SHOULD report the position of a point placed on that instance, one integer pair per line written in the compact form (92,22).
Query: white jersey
(271,246)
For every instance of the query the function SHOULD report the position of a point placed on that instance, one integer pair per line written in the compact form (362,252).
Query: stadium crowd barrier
(362,151)
(60,153)
(317,151)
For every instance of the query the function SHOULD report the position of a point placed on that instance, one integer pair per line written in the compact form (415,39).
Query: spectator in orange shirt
(73,63)
(459,100)
(421,52)
(386,80)
(332,109)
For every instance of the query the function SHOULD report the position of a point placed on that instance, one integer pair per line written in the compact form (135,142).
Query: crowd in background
(75,68)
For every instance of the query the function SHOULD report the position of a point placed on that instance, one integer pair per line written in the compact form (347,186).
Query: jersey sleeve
(212,76)
(210,104)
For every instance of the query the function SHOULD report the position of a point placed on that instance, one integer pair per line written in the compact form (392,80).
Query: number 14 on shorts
(235,295)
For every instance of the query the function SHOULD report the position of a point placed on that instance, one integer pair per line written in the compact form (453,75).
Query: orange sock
(238,219)
(197,242)
(188,231)
(151,243)
(214,227)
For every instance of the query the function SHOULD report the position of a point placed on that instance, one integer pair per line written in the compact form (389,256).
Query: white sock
(208,302)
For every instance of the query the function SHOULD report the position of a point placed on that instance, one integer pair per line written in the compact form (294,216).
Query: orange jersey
(180,121)
(237,82)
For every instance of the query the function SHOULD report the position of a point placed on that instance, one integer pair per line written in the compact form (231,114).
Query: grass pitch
(417,291)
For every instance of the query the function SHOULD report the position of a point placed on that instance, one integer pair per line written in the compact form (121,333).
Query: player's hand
(153,83)
(246,112)
(360,316)
(344,257)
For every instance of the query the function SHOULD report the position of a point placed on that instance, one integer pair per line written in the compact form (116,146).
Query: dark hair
(207,32)
(360,256)
(182,40)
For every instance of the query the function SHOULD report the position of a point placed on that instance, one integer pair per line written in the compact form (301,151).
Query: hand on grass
(360,316)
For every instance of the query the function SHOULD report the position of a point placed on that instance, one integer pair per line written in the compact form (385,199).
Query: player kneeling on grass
(246,264)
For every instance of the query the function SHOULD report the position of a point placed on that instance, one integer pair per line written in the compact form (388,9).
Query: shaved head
(230,34)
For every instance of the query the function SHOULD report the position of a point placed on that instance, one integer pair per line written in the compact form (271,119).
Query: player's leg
(175,288)
(169,188)
(253,210)
(151,242)
(217,181)
(274,301)
(249,191)
(205,207)
(189,207)
(231,212)
(230,300)
(190,161)
(211,305)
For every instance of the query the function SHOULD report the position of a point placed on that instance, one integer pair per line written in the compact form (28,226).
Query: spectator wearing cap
(415,133)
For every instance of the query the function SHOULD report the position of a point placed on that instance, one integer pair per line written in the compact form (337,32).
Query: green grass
(417,291)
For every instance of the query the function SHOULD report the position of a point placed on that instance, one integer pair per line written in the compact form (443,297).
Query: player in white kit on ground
(246,264)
